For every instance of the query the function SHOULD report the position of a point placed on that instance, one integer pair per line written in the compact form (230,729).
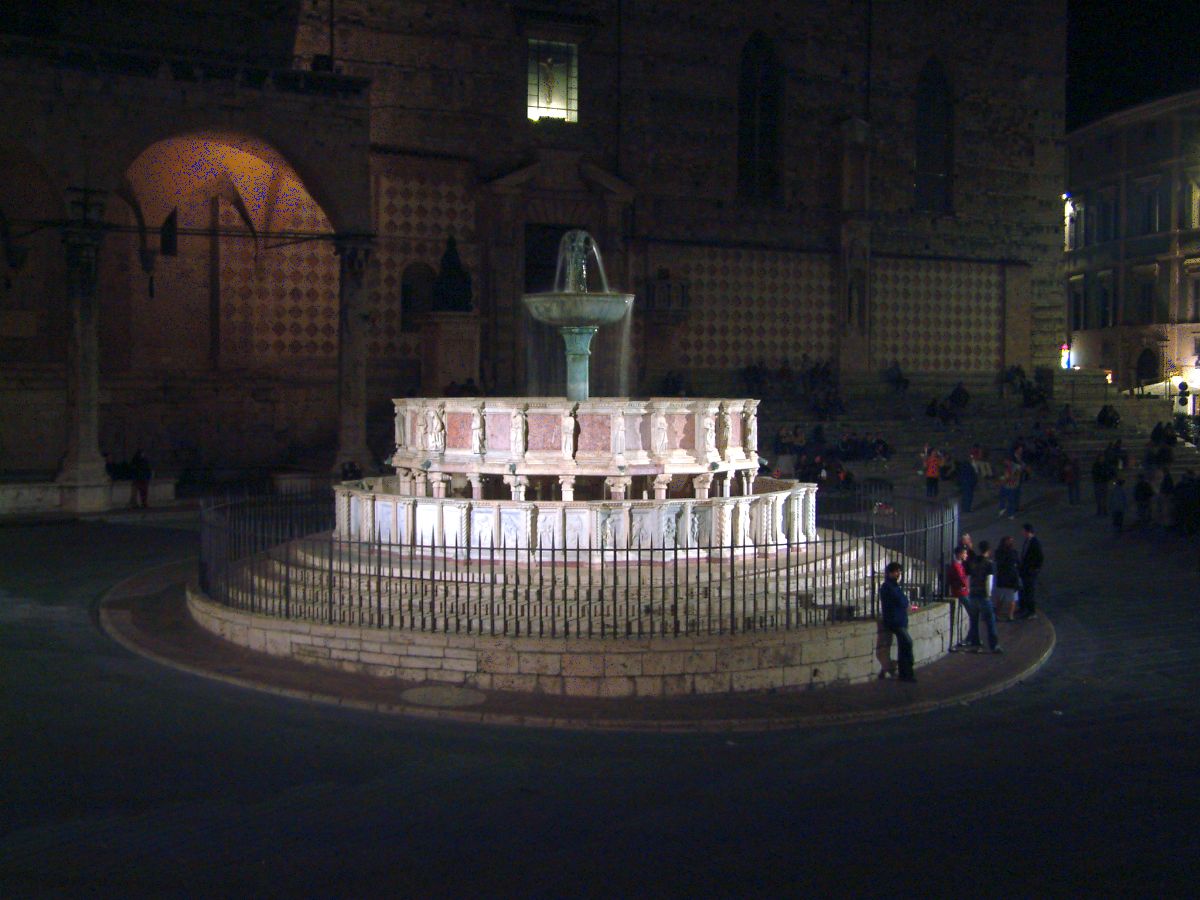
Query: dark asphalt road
(122,778)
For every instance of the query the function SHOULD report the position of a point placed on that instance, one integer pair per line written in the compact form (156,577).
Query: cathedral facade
(232,235)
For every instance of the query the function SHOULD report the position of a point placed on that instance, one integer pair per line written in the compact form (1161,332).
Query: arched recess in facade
(33,314)
(197,342)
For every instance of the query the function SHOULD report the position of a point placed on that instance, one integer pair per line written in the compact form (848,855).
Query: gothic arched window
(760,107)
(934,141)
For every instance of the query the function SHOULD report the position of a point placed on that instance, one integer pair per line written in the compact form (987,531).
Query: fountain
(589,546)
(574,308)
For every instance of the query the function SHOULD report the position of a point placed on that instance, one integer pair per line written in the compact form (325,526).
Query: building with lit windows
(1132,238)
(293,212)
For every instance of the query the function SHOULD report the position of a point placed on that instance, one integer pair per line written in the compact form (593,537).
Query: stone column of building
(353,254)
(84,482)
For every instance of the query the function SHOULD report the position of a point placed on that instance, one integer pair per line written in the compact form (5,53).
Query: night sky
(1125,52)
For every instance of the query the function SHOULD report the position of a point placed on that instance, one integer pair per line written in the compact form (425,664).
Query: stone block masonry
(842,652)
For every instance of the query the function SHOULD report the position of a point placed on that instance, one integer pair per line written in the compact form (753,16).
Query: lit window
(553,88)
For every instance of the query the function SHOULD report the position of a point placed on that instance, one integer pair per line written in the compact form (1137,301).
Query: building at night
(234,231)
(1132,237)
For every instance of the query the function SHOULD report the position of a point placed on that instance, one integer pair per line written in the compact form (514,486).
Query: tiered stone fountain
(566,545)
(576,472)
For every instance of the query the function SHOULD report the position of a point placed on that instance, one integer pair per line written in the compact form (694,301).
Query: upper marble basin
(578,310)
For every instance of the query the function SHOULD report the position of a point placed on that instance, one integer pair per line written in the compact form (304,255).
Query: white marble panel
(579,528)
(549,528)
(384,516)
(483,525)
(427,523)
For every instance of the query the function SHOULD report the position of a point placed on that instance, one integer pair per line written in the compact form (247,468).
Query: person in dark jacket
(893,603)
(1031,565)
(1008,578)
(982,571)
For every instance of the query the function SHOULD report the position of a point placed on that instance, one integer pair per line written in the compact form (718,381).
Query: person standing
(1010,487)
(893,603)
(1008,578)
(958,583)
(1117,502)
(982,571)
(140,471)
(1102,474)
(1031,565)
(1143,493)
(933,471)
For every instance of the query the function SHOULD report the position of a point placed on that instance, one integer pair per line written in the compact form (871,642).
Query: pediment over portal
(564,172)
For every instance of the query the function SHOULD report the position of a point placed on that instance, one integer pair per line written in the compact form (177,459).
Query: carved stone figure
(478,437)
(568,434)
(658,433)
(723,426)
(668,529)
(516,432)
(401,429)
(435,431)
(710,435)
(750,430)
(607,535)
(618,437)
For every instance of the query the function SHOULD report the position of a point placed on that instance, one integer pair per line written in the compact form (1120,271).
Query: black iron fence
(277,556)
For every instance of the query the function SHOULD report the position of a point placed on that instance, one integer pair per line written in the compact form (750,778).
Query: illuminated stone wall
(747,306)
(947,317)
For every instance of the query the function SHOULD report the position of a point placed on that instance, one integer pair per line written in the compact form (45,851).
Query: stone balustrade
(606,438)
(778,513)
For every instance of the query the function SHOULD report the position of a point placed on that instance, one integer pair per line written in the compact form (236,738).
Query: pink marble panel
(545,432)
(681,431)
(594,433)
(497,431)
(735,430)
(458,430)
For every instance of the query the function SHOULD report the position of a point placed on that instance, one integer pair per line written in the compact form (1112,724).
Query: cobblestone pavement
(122,777)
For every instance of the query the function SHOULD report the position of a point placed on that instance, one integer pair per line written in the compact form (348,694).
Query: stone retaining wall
(650,667)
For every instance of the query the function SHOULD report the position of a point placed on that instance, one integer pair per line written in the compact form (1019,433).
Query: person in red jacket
(958,583)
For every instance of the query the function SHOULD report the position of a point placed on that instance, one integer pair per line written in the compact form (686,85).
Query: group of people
(814,457)
(985,586)
(1154,495)
(814,382)
(949,409)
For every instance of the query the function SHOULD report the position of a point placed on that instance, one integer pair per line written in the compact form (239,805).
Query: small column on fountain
(618,486)
(727,485)
(476,482)
(748,479)
(517,485)
(567,485)
(420,483)
(701,485)
(662,484)
(438,483)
